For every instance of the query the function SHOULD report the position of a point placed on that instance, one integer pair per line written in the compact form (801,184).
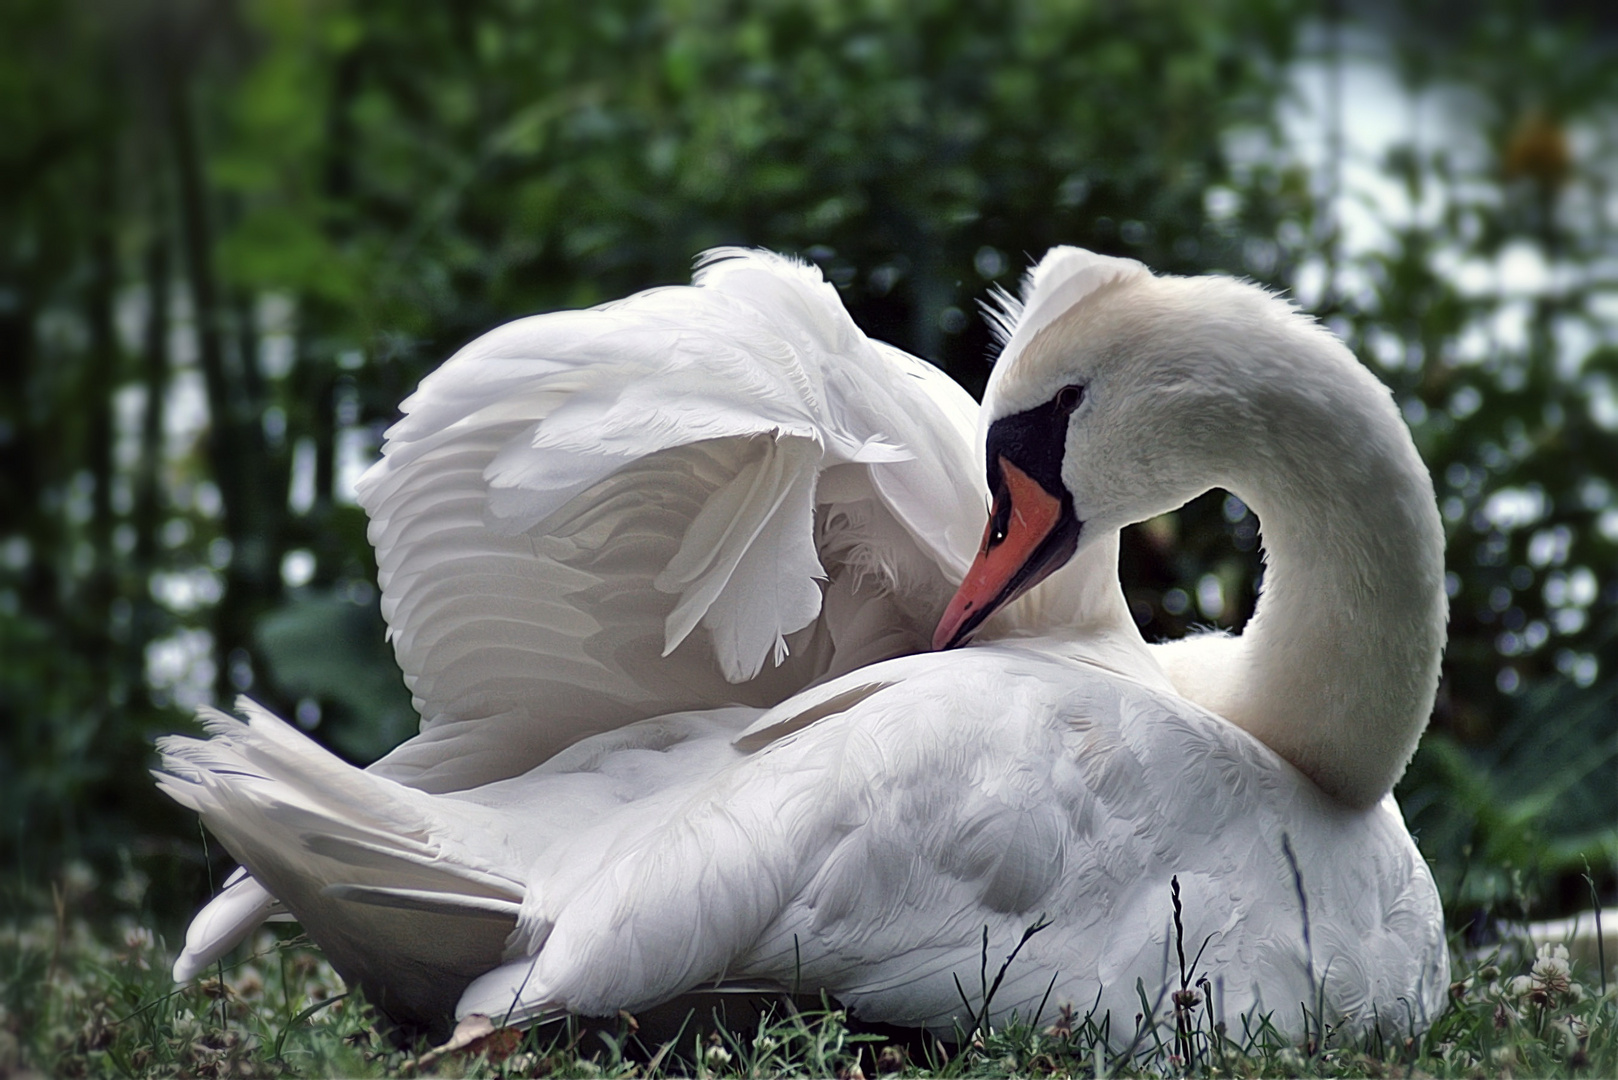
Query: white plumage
(660,575)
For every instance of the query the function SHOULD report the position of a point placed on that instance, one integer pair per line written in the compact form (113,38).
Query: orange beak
(1030,534)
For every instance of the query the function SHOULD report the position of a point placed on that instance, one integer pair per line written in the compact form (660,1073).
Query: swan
(893,812)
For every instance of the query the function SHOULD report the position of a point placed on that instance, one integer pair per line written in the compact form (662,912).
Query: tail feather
(398,888)
(436,903)
(223,924)
(424,868)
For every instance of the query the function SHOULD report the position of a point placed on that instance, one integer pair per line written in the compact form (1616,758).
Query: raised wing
(694,497)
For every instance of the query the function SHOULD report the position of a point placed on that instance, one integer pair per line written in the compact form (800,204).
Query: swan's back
(864,850)
(932,797)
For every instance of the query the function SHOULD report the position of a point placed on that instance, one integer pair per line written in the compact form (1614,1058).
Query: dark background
(235,233)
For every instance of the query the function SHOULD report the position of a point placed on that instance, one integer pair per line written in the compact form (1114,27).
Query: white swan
(864,833)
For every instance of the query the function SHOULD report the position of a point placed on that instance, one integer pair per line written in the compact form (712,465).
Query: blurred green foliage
(235,233)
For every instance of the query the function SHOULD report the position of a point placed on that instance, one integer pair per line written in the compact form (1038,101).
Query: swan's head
(1107,407)
(1121,395)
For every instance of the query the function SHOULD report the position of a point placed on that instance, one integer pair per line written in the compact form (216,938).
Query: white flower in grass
(1550,980)
(716,1054)
(1551,961)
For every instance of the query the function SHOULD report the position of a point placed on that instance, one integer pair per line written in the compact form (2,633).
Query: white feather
(671,440)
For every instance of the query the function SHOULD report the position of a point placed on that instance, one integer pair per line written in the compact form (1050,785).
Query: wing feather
(592,517)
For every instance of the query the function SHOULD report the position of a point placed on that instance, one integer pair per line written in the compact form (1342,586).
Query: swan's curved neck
(1338,667)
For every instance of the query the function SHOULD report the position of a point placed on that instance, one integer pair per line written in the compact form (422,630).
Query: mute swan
(863,832)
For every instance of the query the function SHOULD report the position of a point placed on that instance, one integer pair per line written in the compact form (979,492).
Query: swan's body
(859,821)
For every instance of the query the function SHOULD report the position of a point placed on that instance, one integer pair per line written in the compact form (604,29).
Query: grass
(93,998)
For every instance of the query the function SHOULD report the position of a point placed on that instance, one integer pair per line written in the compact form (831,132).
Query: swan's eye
(1069,397)
(999,522)
(999,512)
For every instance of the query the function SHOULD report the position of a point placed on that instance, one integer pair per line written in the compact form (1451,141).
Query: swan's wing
(692,497)
(869,852)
